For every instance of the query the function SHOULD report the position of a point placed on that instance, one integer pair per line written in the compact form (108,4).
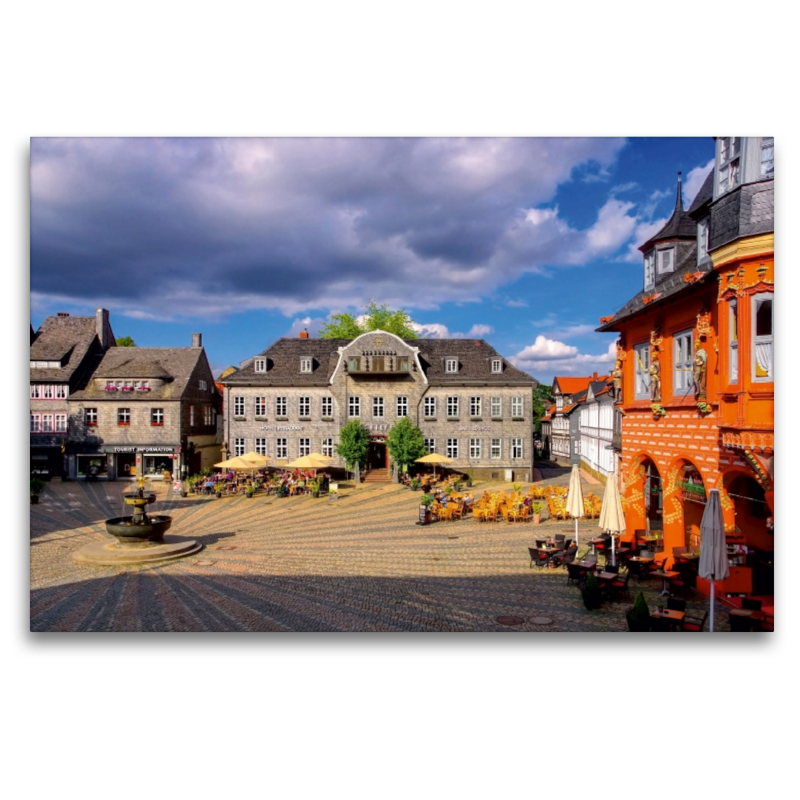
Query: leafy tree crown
(375,318)
(405,442)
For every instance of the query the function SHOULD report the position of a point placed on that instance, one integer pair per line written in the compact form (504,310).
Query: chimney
(103,328)
(594,376)
(197,340)
(304,334)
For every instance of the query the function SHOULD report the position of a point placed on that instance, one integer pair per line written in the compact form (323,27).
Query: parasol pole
(711,621)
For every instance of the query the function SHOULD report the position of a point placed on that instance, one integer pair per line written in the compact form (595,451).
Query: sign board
(423,511)
(333,490)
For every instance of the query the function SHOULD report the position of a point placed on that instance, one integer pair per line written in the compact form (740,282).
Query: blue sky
(524,242)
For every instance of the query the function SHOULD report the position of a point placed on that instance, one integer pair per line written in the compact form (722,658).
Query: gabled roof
(474,362)
(65,339)
(679,226)
(571,386)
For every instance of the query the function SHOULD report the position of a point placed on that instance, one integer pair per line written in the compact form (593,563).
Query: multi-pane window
(451,365)
(763,369)
(203,386)
(304,406)
(354,406)
(208,415)
(354,364)
(35,391)
(496,449)
(123,416)
(733,342)
(327,447)
(429,407)
(767,157)
(281,448)
(474,448)
(61,391)
(36,423)
(641,371)
(191,415)
(261,446)
(452,448)
(452,406)
(475,406)
(516,407)
(260,365)
(377,406)
(47,392)
(516,448)
(303,447)
(402,364)
(650,270)
(90,416)
(497,407)
(305,365)
(682,365)
(702,239)
(664,261)
(497,365)
(61,423)
(327,407)
(156,416)
(728,168)
(238,406)
(280,407)
(430,445)
(47,423)
(261,406)
(238,447)
(402,406)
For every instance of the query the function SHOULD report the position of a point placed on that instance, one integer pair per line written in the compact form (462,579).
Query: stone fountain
(139,539)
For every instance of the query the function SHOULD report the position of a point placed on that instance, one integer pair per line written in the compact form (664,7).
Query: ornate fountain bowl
(131,533)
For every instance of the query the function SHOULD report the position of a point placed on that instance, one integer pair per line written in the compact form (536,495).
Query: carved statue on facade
(655,379)
(656,338)
(704,324)
(699,371)
(616,374)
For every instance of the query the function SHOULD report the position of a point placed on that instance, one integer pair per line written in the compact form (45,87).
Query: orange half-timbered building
(695,359)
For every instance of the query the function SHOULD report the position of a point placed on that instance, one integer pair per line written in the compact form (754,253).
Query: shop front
(112,462)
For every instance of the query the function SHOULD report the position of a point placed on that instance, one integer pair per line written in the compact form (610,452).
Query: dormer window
(665,261)
(354,364)
(305,365)
(451,365)
(768,157)
(702,240)
(260,365)
(402,364)
(650,270)
(497,365)
(728,165)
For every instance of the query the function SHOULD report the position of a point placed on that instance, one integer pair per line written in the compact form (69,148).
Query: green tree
(376,318)
(125,341)
(353,444)
(405,443)
(542,399)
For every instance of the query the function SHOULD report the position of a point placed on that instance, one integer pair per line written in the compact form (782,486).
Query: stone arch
(633,490)
(746,507)
(682,511)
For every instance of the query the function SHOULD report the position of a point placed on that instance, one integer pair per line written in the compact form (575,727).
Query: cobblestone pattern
(359,563)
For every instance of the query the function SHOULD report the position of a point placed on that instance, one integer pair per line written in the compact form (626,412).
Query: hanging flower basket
(658,410)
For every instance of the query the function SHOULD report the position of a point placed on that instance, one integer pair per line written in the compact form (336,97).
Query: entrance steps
(377,476)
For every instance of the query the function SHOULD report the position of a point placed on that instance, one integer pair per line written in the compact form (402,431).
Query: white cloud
(312,325)
(612,229)
(554,357)
(694,180)
(516,303)
(477,331)
(644,230)
(435,330)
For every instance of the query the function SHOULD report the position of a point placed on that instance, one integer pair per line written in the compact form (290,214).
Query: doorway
(377,455)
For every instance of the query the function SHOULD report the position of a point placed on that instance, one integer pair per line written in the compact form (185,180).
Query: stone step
(377,476)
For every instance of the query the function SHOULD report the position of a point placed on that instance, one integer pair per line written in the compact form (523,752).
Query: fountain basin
(128,532)
(135,500)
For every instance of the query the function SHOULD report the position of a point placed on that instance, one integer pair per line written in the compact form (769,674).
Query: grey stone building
(470,403)
(63,353)
(145,410)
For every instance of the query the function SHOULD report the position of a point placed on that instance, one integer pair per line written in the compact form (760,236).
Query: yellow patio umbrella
(320,457)
(310,462)
(255,458)
(237,462)
(434,458)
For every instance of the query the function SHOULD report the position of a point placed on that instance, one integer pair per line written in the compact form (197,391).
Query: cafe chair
(534,553)
(620,584)
(574,574)
(559,537)
(676,604)
(741,624)
(659,625)
(748,602)
(566,557)
(541,542)
(694,623)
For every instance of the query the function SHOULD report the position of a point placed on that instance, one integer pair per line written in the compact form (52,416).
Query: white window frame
(327,447)
(157,417)
(702,239)
(305,365)
(123,416)
(36,423)
(353,406)
(429,406)
(682,362)
(260,365)
(402,406)
(430,445)
(767,164)
(48,423)
(729,164)
(516,448)
(378,407)
(475,405)
(304,407)
(517,407)
(36,391)
(497,407)
(650,270)
(497,365)
(664,268)
(641,371)
(201,383)
(261,445)
(496,449)
(239,446)
(327,407)
(90,417)
(452,448)
(281,448)
(451,365)
(61,423)
(764,342)
(452,407)
(303,447)
(260,406)
(62,391)
(733,341)
(238,406)
(281,406)
(208,415)
(474,448)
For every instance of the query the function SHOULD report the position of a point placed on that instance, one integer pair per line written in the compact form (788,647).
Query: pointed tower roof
(679,226)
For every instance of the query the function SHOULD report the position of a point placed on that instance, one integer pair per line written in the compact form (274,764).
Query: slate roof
(668,288)
(679,226)
(283,368)
(174,365)
(65,339)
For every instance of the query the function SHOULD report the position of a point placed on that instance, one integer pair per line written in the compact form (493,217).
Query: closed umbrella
(612,517)
(575,498)
(434,458)
(713,564)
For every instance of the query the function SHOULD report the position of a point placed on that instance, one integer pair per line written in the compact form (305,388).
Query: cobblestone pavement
(359,563)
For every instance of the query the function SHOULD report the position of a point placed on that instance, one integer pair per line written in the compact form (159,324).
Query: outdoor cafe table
(594,543)
(666,576)
(672,615)
(645,560)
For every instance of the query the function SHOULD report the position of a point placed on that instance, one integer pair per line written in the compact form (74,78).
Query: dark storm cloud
(230,224)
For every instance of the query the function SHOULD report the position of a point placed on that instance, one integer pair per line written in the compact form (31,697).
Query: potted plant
(638,615)
(314,487)
(517,487)
(415,484)
(219,487)
(425,502)
(536,510)
(457,484)
(37,487)
(591,592)
(250,490)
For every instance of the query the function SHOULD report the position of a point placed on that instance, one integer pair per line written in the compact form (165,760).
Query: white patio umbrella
(713,564)
(575,498)
(612,517)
